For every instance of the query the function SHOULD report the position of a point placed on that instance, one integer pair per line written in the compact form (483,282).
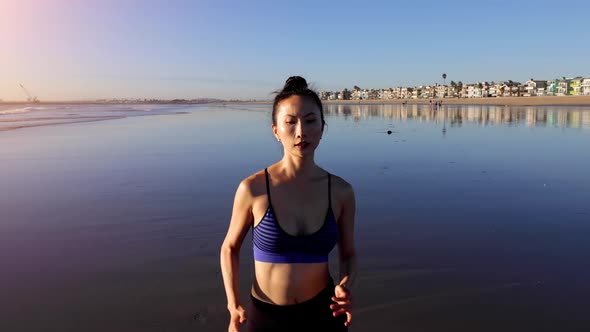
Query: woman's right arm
(241,221)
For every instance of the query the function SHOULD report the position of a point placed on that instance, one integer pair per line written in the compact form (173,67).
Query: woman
(298,212)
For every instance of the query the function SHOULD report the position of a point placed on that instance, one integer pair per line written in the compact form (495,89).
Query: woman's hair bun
(295,84)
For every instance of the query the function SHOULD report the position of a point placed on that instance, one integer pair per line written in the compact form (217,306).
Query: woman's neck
(296,167)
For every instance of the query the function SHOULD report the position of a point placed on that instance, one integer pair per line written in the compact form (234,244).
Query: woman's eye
(311,121)
(291,122)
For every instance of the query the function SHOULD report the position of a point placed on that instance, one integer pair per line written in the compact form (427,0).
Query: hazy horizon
(86,50)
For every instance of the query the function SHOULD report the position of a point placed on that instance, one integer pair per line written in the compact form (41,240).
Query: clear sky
(88,49)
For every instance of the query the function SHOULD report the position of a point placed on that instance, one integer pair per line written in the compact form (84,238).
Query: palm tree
(444,76)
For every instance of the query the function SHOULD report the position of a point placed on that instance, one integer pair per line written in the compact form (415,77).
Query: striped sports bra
(272,244)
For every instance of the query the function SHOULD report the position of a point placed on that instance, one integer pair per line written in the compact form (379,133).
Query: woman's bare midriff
(284,284)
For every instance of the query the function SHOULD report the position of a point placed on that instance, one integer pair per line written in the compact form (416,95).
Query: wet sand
(116,226)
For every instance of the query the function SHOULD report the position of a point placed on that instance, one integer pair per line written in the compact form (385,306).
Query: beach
(500,101)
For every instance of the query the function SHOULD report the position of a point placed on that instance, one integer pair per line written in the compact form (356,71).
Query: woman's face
(298,125)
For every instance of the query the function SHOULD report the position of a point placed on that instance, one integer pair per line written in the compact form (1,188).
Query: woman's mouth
(302,145)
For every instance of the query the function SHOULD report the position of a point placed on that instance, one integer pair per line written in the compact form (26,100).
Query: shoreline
(497,101)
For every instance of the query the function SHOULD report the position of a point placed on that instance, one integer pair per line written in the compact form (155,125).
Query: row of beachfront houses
(577,86)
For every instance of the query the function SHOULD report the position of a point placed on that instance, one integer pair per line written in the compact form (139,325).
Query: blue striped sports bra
(272,244)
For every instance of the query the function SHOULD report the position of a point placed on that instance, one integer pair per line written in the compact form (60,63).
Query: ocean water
(468,217)
(36,115)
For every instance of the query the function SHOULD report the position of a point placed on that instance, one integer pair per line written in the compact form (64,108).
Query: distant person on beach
(298,212)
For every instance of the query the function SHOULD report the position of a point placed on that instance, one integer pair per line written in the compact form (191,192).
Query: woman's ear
(275,132)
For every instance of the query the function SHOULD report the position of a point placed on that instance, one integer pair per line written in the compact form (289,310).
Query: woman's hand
(237,317)
(343,302)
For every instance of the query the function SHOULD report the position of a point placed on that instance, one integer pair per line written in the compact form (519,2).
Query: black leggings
(312,315)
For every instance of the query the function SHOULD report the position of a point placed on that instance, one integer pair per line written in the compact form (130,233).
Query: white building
(586,87)
(563,87)
(533,87)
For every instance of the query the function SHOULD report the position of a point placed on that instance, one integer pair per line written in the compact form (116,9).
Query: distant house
(510,88)
(478,91)
(344,95)
(464,91)
(385,94)
(473,91)
(586,87)
(576,86)
(365,94)
(439,91)
(533,87)
(485,90)
(373,94)
(501,90)
(467,91)
(407,93)
(427,92)
(563,88)
(493,90)
(449,91)
(552,86)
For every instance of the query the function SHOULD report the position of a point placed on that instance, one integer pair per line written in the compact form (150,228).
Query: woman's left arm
(342,296)
(346,248)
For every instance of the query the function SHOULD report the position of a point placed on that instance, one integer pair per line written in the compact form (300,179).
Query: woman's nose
(300,129)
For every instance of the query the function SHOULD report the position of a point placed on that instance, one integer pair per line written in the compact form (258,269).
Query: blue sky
(75,49)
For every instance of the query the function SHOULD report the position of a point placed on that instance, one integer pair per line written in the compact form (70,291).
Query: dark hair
(296,86)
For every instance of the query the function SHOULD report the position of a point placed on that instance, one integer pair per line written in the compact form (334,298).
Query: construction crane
(30,98)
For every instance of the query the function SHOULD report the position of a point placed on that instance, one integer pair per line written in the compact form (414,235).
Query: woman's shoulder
(253,184)
(340,186)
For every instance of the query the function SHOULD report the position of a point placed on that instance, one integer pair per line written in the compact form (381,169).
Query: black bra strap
(267,185)
(330,190)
